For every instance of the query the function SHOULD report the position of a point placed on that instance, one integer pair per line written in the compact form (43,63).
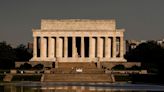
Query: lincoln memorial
(78,40)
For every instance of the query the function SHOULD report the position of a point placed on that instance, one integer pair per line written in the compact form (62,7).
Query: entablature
(79,33)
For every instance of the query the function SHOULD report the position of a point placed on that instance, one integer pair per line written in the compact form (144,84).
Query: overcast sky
(142,19)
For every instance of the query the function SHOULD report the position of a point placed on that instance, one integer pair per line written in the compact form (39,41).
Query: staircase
(67,73)
(77,78)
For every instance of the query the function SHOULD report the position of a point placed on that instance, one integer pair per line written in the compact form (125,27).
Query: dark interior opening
(38,46)
(78,45)
(86,41)
(69,46)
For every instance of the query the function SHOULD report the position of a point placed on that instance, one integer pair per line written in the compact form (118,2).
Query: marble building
(78,40)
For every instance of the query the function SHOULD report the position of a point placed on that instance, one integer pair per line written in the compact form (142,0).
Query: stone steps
(68,70)
(77,78)
(77,65)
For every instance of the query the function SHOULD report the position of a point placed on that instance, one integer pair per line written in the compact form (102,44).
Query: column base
(87,59)
(43,59)
(115,59)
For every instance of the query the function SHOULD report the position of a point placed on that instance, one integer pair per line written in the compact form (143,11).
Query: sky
(142,19)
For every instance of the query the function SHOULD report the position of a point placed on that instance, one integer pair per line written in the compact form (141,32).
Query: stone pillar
(121,47)
(94,47)
(107,53)
(60,47)
(54,42)
(73,46)
(50,47)
(110,45)
(57,47)
(98,50)
(82,47)
(114,47)
(65,47)
(43,48)
(35,47)
(99,47)
(91,54)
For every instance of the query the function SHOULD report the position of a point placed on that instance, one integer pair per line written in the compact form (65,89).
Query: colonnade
(53,47)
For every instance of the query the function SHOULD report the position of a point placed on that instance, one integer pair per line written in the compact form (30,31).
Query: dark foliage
(146,52)
(38,66)
(25,66)
(119,67)
(134,68)
(22,53)
(151,55)
(7,56)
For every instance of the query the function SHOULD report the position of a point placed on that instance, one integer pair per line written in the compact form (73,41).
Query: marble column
(57,47)
(114,47)
(98,50)
(107,47)
(121,47)
(60,47)
(110,45)
(54,42)
(94,47)
(99,47)
(82,47)
(91,49)
(43,48)
(65,47)
(73,46)
(35,47)
(50,47)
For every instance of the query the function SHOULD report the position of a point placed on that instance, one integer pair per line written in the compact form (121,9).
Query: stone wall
(126,64)
(78,24)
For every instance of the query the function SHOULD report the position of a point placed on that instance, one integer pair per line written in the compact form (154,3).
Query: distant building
(132,44)
(161,42)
